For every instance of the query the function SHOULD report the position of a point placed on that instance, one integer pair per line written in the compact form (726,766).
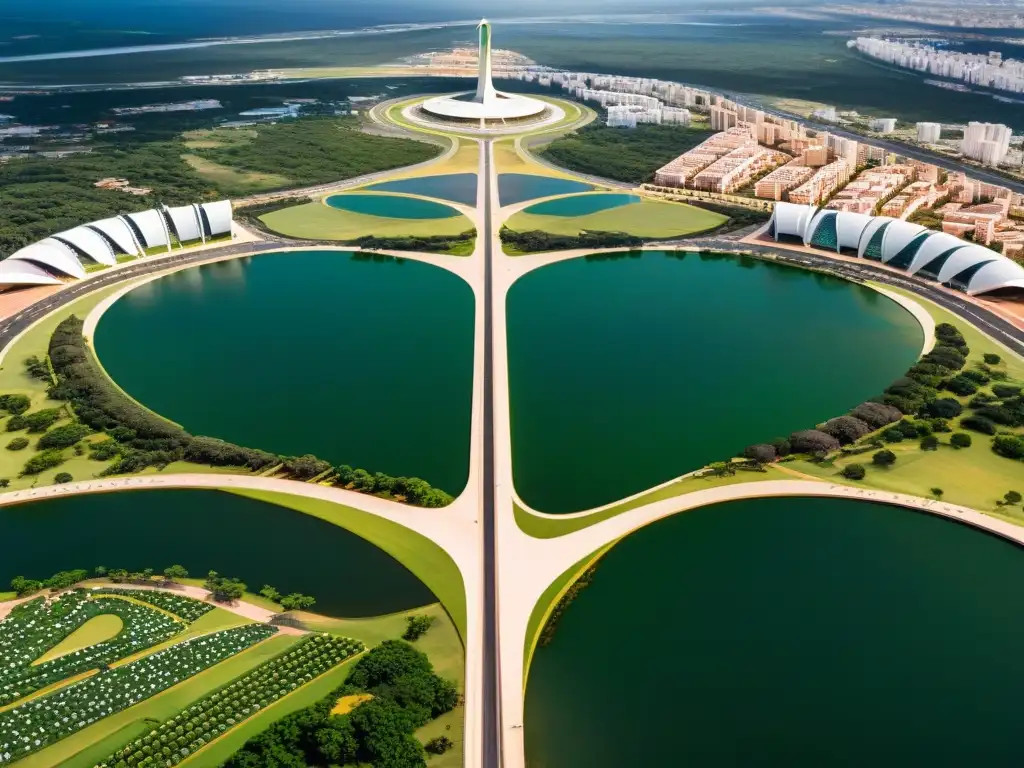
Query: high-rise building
(987,143)
(929,133)
(883,125)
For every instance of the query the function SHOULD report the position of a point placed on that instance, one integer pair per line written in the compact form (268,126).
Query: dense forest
(40,196)
(622,154)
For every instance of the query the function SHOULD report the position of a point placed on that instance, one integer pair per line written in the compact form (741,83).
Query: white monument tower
(485,92)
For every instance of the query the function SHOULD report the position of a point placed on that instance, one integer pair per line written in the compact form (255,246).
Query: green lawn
(98,629)
(90,745)
(233,181)
(420,555)
(646,218)
(317,221)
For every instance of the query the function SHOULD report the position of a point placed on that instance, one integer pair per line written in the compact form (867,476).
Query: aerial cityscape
(375,378)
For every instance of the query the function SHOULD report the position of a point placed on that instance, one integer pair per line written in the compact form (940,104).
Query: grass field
(233,181)
(466,159)
(98,629)
(425,559)
(90,745)
(646,218)
(317,221)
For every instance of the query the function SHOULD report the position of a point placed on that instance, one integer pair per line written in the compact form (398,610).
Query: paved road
(492,685)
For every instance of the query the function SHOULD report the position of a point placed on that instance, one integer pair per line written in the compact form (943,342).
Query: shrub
(960,440)
(979,424)
(1012,497)
(813,441)
(854,472)
(944,408)
(104,451)
(417,626)
(846,429)
(782,446)
(65,436)
(893,435)
(884,458)
(991,358)
(15,404)
(961,385)
(940,425)
(929,443)
(1010,446)
(762,453)
(42,461)
(978,377)
(438,745)
(15,423)
(305,467)
(1005,390)
(17,444)
(62,477)
(937,492)
(877,414)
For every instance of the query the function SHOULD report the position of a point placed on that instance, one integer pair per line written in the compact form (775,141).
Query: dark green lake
(581,205)
(787,633)
(392,206)
(257,542)
(358,361)
(519,187)
(627,372)
(457,187)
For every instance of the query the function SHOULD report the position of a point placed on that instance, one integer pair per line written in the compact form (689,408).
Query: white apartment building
(883,124)
(929,133)
(987,143)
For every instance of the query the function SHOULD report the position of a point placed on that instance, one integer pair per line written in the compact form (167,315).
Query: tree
(813,441)
(992,358)
(937,493)
(223,589)
(961,385)
(305,467)
(1012,497)
(1010,446)
(877,414)
(929,443)
(4,482)
(854,472)
(270,593)
(23,586)
(846,429)
(175,572)
(17,444)
(960,440)
(296,601)
(15,404)
(884,458)
(762,453)
(62,477)
(944,408)
(100,571)
(979,424)
(417,626)
(722,469)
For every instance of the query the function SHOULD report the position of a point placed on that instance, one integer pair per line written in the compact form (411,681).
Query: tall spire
(485,92)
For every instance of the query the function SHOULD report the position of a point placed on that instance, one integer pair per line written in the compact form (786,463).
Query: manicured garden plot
(37,626)
(193,728)
(186,607)
(47,719)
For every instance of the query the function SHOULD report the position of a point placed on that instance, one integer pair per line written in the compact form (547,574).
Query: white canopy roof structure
(184,222)
(22,273)
(218,217)
(52,254)
(89,242)
(118,232)
(150,224)
(993,271)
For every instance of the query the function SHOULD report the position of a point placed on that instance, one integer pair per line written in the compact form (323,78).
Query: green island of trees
(138,438)
(614,153)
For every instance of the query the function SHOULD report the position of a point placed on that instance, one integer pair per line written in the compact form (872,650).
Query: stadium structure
(928,255)
(486,107)
(67,255)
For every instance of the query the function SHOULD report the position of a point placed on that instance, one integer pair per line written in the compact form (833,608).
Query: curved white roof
(185,223)
(933,247)
(898,236)
(89,242)
(151,225)
(963,258)
(1002,273)
(792,219)
(813,223)
(53,254)
(507,106)
(218,217)
(119,233)
(24,273)
(849,228)
(876,223)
